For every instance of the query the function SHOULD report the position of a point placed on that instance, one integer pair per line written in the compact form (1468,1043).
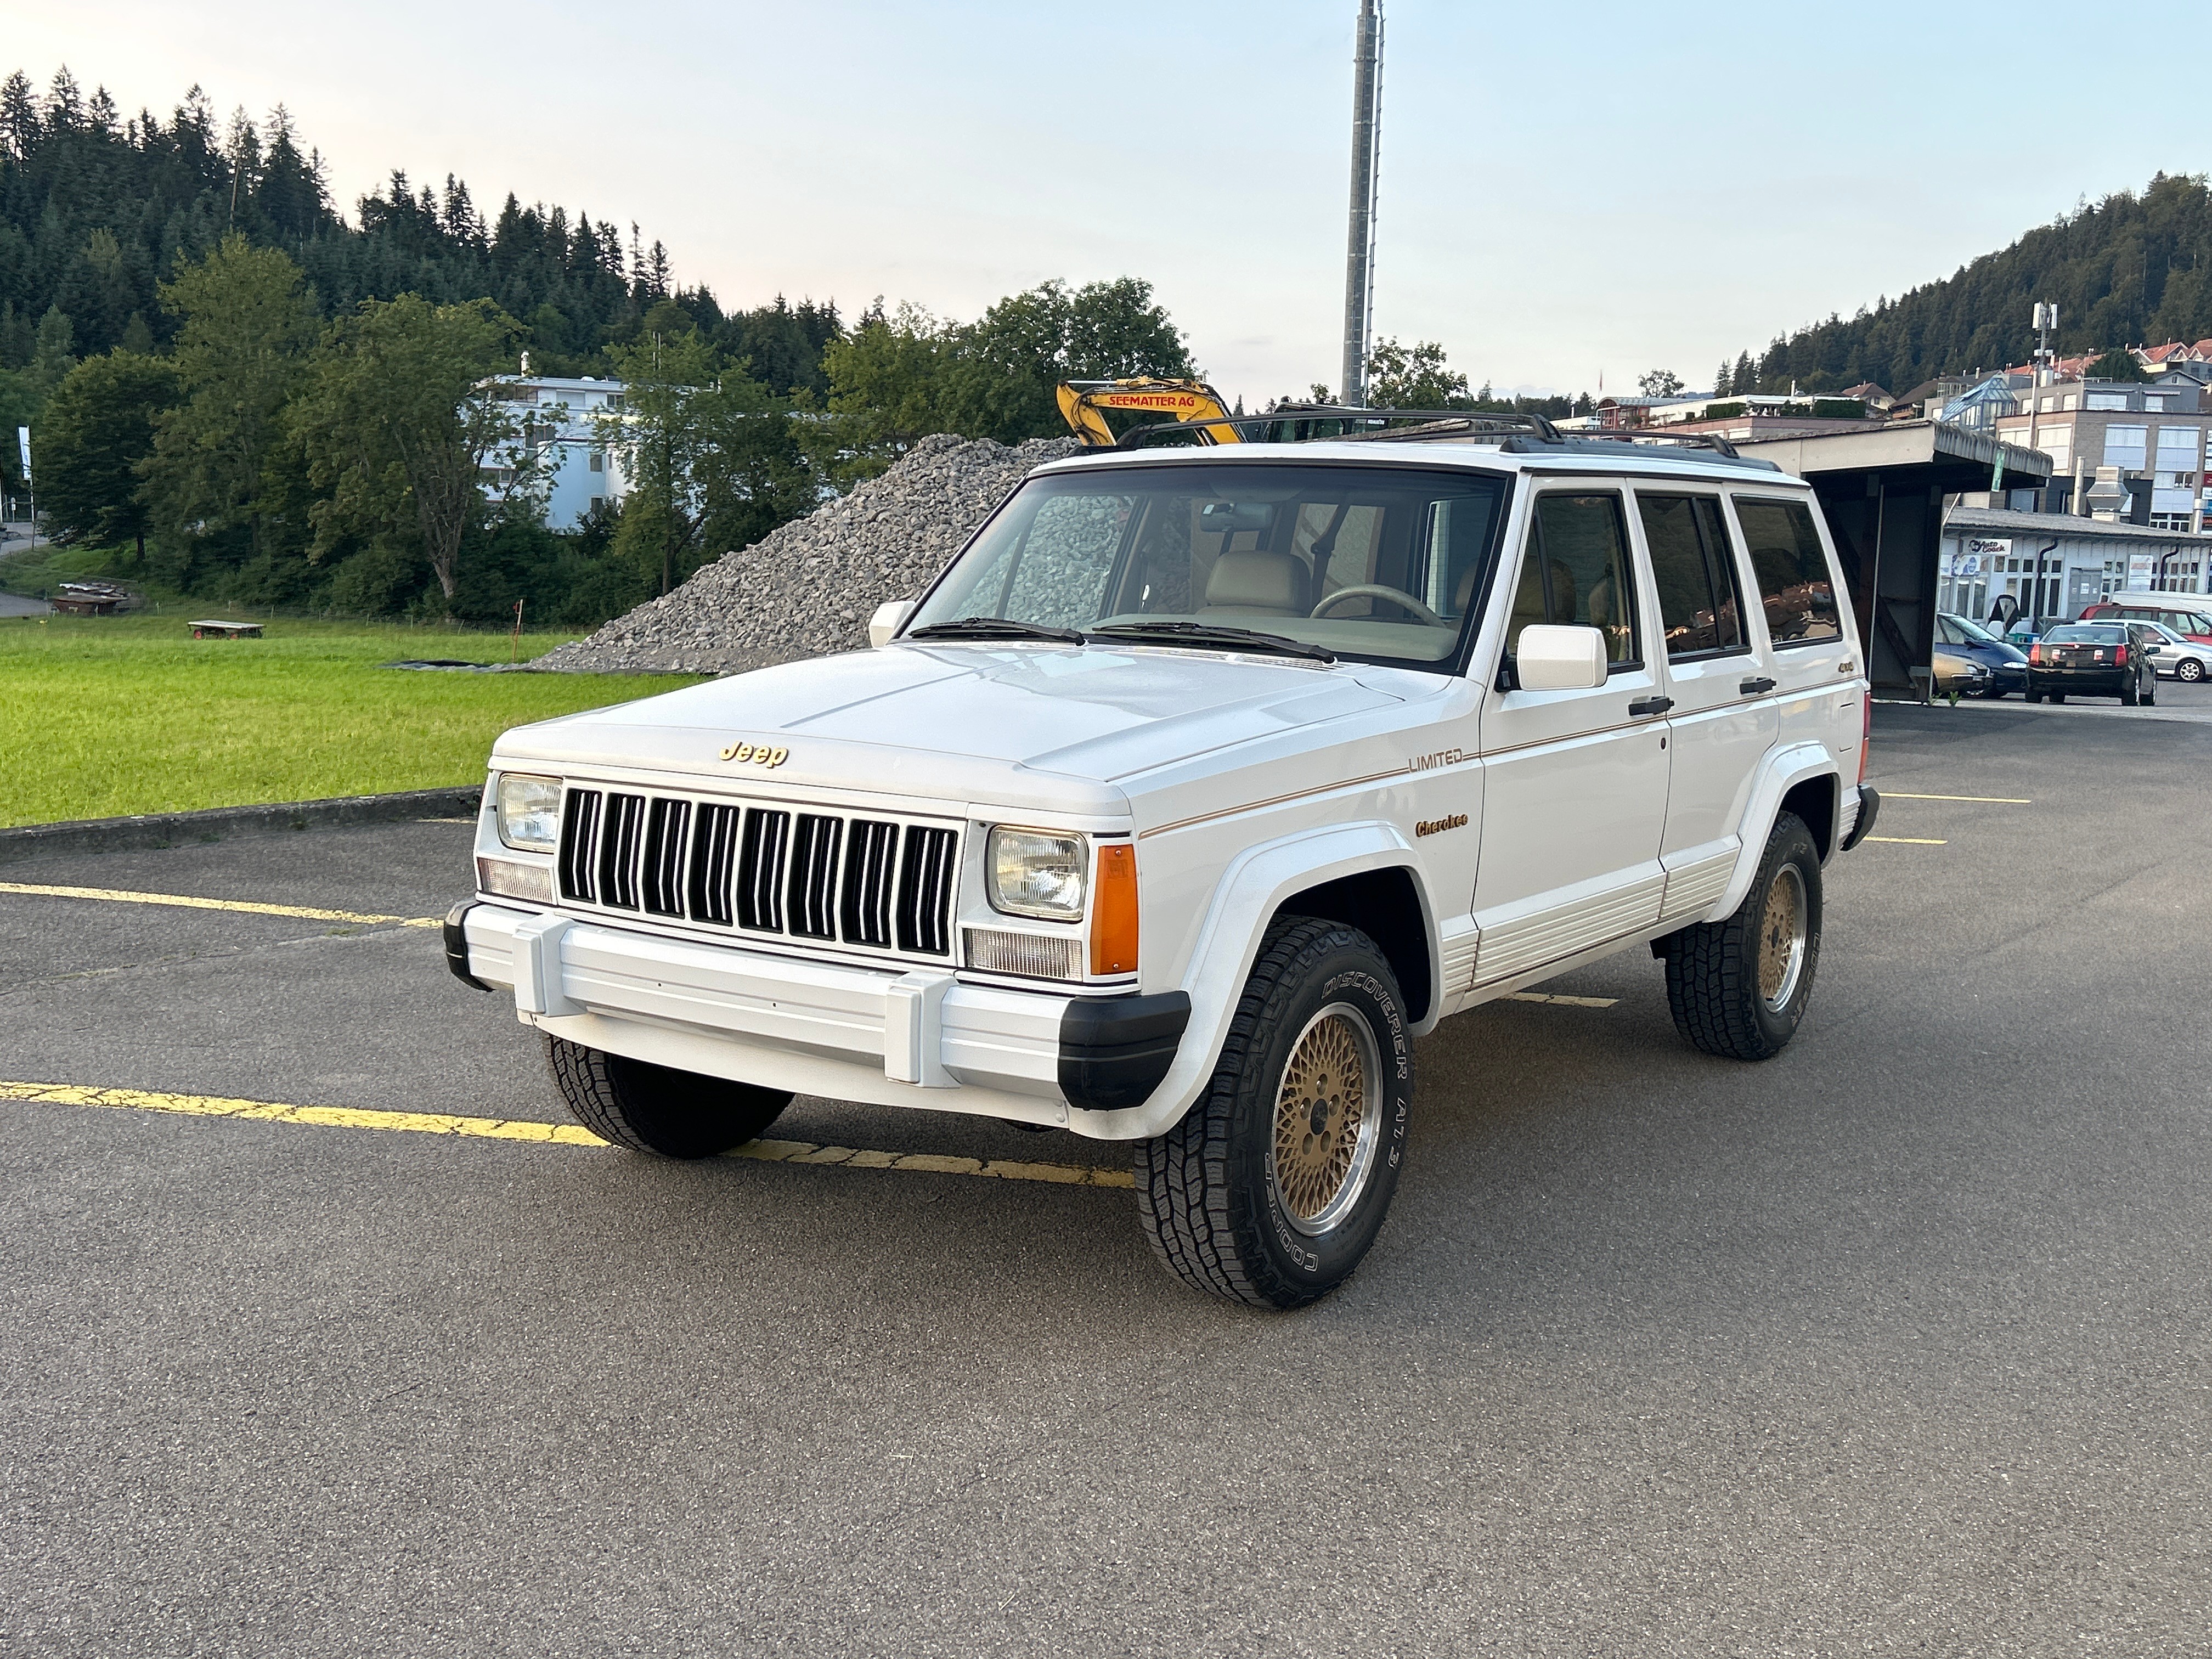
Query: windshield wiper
(993,628)
(1208,633)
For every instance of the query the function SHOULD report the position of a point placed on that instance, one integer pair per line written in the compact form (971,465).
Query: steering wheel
(1398,597)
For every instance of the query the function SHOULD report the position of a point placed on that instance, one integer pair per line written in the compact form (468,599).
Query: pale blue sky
(1567,189)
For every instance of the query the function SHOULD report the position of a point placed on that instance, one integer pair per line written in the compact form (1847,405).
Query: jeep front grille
(877,883)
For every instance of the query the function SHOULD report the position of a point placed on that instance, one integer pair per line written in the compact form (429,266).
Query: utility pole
(1360,254)
(2046,319)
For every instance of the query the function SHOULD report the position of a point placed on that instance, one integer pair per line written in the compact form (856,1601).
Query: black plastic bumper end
(1869,810)
(457,946)
(1114,1051)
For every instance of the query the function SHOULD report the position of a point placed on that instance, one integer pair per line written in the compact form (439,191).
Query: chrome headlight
(1034,872)
(529,812)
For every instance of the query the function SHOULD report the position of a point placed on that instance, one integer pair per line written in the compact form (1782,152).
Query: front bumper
(915,1038)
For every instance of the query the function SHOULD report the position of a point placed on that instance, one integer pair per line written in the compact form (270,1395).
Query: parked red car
(2192,622)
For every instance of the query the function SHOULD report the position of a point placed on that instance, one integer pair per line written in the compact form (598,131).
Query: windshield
(1381,564)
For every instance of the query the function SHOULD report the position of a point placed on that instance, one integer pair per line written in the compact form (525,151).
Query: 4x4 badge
(759,754)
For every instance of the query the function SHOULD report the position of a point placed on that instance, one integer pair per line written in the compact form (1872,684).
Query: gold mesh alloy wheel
(1782,938)
(1327,1123)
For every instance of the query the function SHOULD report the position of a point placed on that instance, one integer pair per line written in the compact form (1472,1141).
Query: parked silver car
(2177,656)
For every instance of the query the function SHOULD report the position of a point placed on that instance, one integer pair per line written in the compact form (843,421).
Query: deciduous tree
(399,422)
(1414,377)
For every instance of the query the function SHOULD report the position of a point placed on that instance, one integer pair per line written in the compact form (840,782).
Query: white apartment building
(559,427)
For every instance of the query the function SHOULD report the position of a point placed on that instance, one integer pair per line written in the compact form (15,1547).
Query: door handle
(1643,706)
(1755,687)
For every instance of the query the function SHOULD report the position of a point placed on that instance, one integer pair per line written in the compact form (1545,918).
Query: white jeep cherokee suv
(1199,784)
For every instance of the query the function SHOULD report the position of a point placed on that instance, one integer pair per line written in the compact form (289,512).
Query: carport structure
(1883,489)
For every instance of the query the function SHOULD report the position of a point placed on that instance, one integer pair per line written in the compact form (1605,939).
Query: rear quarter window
(1795,587)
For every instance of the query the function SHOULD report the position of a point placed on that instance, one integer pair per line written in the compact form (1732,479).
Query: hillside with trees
(253,397)
(2130,270)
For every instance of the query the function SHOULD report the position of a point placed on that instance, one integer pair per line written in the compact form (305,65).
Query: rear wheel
(1272,1188)
(2059,697)
(656,1108)
(2189,669)
(1738,988)
(2131,691)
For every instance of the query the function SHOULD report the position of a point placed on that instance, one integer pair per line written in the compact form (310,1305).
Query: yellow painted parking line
(1985,800)
(1570,1002)
(1910,841)
(304,912)
(563,1134)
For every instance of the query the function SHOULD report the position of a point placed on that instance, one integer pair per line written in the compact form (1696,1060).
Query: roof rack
(1633,434)
(1521,432)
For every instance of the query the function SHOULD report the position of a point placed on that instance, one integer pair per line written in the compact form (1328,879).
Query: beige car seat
(1256,584)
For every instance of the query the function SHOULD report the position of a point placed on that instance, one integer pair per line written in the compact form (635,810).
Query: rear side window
(1694,574)
(1576,573)
(1795,588)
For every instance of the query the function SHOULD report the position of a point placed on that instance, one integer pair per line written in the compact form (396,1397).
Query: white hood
(1089,712)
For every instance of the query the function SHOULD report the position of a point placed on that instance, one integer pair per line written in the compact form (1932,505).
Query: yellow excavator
(1082,403)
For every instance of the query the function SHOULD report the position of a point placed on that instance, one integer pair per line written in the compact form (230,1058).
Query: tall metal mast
(1360,257)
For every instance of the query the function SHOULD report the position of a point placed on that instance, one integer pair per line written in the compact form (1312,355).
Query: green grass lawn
(106,715)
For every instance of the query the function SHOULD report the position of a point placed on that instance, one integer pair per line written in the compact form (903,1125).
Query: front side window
(1694,574)
(1575,573)
(1796,589)
(1379,563)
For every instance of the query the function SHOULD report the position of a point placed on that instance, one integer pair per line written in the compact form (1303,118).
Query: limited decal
(1442,758)
(759,754)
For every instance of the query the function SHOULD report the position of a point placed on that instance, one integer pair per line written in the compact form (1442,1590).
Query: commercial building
(2054,564)
(560,435)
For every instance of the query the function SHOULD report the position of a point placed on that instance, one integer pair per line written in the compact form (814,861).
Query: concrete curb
(158,830)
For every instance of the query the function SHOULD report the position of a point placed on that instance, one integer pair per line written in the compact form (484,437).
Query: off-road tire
(656,1108)
(1206,1191)
(1714,988)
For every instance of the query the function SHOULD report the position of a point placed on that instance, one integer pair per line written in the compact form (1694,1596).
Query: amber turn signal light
(1114,910)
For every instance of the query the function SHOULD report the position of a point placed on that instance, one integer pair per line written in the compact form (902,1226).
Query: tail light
(2120,655)
(2035,651)
(1114,910)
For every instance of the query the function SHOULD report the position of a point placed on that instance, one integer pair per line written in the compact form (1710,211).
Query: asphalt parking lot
(1894,1345)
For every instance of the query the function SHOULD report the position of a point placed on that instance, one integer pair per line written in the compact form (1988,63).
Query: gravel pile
(809,587)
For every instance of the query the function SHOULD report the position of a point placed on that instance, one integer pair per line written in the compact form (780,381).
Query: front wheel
(656,1108)
(1738,988)
(1274,1186)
